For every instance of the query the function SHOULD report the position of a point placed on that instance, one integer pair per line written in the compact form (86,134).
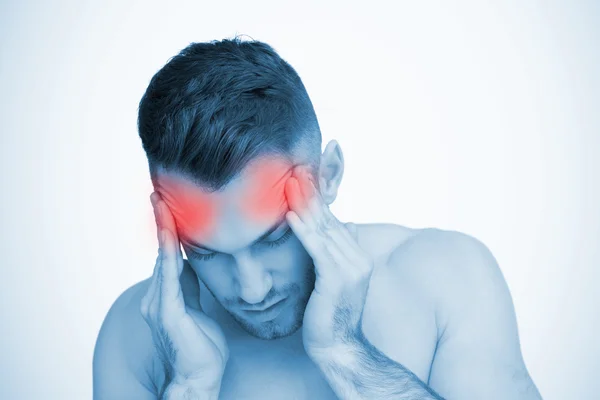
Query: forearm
(358,370)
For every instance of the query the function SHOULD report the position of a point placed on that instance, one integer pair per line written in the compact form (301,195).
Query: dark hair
(216,106)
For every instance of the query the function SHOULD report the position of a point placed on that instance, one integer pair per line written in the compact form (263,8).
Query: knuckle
(145,303)
(152,309)
(324,224)
(327,223)
(144,310)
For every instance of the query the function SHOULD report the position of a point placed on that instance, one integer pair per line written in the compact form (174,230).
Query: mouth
(257,310)
(267,313)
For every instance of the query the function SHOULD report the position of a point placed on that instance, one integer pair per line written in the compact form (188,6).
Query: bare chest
(278,374)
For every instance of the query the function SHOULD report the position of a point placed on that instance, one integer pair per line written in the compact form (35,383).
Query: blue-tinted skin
(438,320)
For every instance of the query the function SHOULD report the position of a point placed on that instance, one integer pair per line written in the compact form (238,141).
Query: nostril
(256,292)
(253,280)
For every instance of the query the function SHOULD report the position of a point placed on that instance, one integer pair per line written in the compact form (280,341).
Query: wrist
(342,353)
(351,342)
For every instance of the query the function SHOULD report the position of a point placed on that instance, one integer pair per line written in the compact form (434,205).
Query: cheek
(295,260)
(215,276)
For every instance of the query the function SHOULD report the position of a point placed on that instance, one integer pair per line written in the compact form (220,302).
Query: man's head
(223,124)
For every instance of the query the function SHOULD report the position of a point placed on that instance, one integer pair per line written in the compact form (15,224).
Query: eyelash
(274,243)
(281,240)
(201,257)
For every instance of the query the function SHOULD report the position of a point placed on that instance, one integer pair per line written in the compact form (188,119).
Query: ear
(331,171)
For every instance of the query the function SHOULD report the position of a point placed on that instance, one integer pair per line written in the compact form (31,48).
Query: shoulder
(125,359)
(431,258)
(476,331)
(394,244)
(123,354)
(433,254)
(379,239)
(454,271)
(122,320)
(437,247)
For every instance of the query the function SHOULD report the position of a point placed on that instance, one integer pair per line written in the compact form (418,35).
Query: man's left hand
(343,270)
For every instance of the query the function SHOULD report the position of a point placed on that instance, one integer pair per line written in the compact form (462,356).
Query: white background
(469,116)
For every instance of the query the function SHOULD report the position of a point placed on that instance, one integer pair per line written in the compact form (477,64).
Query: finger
(336,254)
(148,301)
(328,258)
(324,220)
(352,231)
(316,206)
(151,292)
(306,192)
(295,198)
(156,285)
(168,222)
(154,198)
(311,242)
(309,190)
(301,230)
(302,172)
(171,295)
(154,304)
(344,242)
(166,217)
(345,235)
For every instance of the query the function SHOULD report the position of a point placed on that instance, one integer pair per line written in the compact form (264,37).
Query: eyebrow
(280,220)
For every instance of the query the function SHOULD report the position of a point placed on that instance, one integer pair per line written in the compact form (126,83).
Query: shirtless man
(278,299)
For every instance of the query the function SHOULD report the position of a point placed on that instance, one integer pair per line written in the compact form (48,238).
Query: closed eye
(281,240)
(269,243)
(199,256)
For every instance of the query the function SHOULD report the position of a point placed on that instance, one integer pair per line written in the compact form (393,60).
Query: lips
(265,309)
(268,313)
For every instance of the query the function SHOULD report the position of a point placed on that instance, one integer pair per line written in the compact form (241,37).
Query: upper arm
(121,354)
(478,353)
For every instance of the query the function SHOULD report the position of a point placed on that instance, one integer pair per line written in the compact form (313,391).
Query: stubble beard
(270,330)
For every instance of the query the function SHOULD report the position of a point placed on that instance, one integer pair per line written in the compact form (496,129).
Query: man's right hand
(191,345)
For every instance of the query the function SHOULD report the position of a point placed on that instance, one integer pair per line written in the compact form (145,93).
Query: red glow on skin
(267,195)
(304,190)
(264,198)
(193,210)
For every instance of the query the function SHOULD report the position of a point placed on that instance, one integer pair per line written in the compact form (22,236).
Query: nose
(254,281)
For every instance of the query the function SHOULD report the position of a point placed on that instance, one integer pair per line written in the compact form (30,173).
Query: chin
(284,325)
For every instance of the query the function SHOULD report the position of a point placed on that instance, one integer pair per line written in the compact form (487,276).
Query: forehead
(239,212)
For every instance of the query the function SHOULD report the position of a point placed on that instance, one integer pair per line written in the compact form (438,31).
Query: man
(277,298)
